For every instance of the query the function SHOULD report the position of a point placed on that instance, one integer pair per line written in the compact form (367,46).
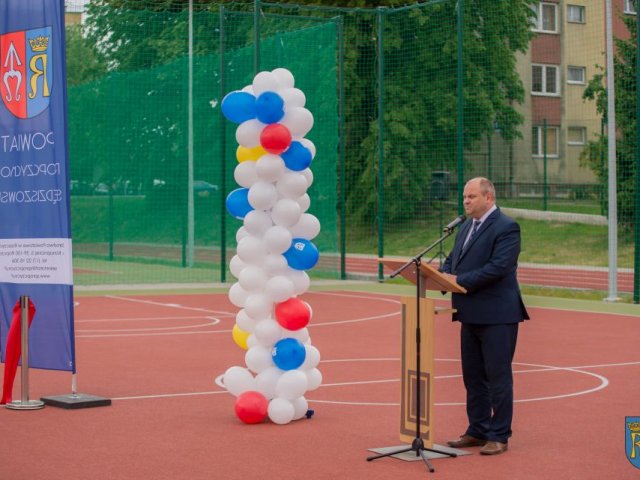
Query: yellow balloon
(244,153)
(240,337)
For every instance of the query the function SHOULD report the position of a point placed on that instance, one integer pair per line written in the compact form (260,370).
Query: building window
(576,14)
(538,142)
(545,80)
(576,136)
(576,75)
(546,18)
(629,6)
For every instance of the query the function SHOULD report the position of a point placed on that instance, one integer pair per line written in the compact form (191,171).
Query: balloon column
(274,250)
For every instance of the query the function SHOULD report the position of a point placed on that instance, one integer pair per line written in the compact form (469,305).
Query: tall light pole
(612,164)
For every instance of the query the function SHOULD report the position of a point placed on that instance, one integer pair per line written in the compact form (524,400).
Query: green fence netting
(131,151)
(409,102)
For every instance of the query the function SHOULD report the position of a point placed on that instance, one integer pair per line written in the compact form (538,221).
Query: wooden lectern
(430,279)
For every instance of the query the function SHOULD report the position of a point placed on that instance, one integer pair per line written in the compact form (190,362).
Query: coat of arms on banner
(25,71)
(632,440)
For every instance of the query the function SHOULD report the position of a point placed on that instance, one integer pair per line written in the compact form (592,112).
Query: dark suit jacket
(487,269)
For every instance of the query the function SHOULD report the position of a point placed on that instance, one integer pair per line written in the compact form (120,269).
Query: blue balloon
(238,203)
(269,107)
(239,106)
(297,157)
(288,353)
(302,254)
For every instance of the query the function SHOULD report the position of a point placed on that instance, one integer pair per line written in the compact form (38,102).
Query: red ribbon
(14,350)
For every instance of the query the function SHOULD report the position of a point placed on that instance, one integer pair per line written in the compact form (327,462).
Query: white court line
(214,321)
(604,382)
(223,314)
(170,395)
(168,305)
(140,319)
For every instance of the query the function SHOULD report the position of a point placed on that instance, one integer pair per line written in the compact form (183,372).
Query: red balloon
(293,314)
(251,407)
(275,138)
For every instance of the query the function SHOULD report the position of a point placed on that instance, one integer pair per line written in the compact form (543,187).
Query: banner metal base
(25,405)
(76,400)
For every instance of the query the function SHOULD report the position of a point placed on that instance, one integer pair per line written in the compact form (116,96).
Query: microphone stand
(418,444)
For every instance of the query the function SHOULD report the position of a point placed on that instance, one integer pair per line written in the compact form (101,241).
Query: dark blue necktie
(474,229)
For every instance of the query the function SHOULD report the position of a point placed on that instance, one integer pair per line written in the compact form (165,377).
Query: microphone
(456,221)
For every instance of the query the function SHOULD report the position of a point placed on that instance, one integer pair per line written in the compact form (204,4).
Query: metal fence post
(380,12)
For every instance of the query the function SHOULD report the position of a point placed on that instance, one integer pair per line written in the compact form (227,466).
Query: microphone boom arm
(416,260)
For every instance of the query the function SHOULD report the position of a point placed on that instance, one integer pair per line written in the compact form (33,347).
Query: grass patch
(547,242)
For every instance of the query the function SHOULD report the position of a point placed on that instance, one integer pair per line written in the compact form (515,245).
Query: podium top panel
(431,279)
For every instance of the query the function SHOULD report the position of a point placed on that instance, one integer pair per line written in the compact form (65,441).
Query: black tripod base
(420,450)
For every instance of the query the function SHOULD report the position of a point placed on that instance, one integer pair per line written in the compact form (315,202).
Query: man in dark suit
(484,260)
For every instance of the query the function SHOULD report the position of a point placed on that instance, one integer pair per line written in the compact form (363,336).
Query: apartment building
(568,49)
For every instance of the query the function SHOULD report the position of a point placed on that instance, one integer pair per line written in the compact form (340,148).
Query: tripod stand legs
(416,446)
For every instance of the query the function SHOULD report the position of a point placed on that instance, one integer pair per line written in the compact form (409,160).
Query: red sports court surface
(157,358)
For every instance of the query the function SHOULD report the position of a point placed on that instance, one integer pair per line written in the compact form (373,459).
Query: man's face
(475,202)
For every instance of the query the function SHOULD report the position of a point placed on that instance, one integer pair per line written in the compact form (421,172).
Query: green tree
(83,61)
(595,154)
(420,99)
(420,48)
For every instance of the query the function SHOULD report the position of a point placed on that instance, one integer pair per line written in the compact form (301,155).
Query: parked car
(203,189)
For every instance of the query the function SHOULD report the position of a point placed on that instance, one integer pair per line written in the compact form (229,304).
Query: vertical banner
(35,232)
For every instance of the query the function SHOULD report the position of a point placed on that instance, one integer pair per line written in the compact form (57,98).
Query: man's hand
(450,277)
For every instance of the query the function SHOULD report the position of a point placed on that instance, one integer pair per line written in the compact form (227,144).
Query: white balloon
(280,411)
(258,358)
(252,341)
(300,280)
(275,264)
(311,359)
(302,335)
(292,185)
(307,227)
(250,249)
(266,381)
(285,212)
(238,295)
(258,306)
(293,97)
(308,174)
(291,385)
(236,265)
(257,222)
(298,120)
(284,77)
(238,380)
(310,145)
(268,332)
(245,174)
(252,279)
(248,89)
(314,378)
(265,82)
(277,239)
(300,407)
(305,202)
(245,322)
(241,233)
(262,195)
(279,288)
(248,133)
(269,167)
